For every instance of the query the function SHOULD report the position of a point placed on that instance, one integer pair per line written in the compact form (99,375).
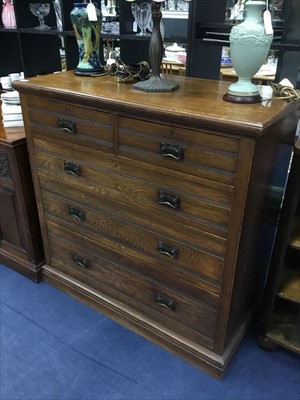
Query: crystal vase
(58,14)
(249,48)
(142,16)
(87,34)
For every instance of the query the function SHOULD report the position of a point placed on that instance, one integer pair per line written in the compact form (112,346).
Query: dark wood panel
(21,245)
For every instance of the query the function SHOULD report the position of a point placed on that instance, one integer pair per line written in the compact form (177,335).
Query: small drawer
(88,264)
(193,152)
(71,123)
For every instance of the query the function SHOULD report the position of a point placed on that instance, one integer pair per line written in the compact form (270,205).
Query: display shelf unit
(135,48)
(279,320)
(39,52)
(209,31)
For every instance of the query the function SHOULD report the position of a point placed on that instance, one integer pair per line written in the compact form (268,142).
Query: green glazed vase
(249,48)
(87,34)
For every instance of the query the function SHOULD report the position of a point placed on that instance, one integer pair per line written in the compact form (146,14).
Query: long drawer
(158,197)
(175,254)
(82,260)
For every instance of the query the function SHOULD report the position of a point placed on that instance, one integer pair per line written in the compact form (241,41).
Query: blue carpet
(54,348)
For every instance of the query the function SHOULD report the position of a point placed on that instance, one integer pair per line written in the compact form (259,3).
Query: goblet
(40,10)
(142,16)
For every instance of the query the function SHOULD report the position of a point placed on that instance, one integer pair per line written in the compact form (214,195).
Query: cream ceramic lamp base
(249,48)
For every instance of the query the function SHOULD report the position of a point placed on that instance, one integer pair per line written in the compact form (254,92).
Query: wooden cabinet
(21,245)
(279,320)
(151,205)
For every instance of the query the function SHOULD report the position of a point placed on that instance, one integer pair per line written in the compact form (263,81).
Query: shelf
(278,335)
(12,30)
(52,31)
(295,236)
(290,289)
(134,36)
(284,330)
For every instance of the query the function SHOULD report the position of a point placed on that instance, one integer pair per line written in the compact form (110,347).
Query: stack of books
(11,110)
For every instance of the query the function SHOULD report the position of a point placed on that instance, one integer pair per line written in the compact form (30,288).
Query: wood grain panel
(127,190)
(136,291)
(81,126)
(136,237)
(204,154)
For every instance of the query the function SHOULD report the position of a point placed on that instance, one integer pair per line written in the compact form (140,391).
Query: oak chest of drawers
(151,204)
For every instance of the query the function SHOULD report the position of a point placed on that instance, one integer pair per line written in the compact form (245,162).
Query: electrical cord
(282,92)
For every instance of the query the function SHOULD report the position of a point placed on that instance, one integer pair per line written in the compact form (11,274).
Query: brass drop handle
(170,251)
(81,261)
(77,214)
(172,151)
(67,125)
(168,200)
(165,302)
(72,169)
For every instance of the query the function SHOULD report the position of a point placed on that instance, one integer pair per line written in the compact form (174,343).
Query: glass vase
(249,48)
(8,15)
(58,14)
(87,34)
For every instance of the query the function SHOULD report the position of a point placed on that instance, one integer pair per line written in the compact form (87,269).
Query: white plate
(14,93)
(14,102)
(4,98)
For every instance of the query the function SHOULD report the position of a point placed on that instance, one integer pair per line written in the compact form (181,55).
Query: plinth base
(231,98)
(95,72)
(156,84)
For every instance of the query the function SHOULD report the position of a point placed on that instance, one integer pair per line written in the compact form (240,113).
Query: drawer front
(208,190)
(71,123)
(167,307)
(197,153)
(174,253)
(208,218)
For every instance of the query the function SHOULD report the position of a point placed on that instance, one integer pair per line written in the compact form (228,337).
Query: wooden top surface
(12,135)
(197,102)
